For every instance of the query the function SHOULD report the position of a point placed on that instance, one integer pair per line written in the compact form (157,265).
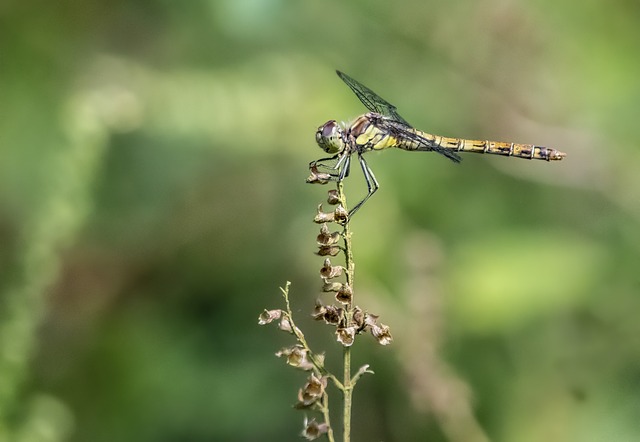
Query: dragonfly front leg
(372,184)
(344,171)
(321,162)
(338,171)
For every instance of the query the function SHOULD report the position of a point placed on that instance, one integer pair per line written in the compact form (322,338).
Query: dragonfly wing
(371,100)
(390,121)
(401,131)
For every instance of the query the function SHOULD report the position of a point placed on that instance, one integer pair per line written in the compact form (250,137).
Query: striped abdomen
(528,151)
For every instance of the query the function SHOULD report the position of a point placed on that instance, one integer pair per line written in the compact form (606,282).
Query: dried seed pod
(326,238)
(332,286)
(329,272)
(333,198)
(297,356)
(333,315)
(345,294)
(313,430)
(268,316)
(324,217)
(328,250)
(370,319)
(312,391)
(340,214)
(358,318)
(317,177)
(287,326)
(319,311)
(346,335)
(382,333)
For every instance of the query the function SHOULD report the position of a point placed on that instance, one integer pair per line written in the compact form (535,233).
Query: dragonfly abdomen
(528,151)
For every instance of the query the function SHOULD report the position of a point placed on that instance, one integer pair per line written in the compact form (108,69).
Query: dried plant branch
(348,319)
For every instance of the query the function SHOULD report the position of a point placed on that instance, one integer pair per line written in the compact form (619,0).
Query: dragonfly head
(330,137)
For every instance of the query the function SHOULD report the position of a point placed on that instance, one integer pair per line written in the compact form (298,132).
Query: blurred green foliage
(152,199)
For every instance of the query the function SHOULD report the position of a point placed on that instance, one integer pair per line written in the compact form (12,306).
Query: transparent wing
(401,131)
(372,101)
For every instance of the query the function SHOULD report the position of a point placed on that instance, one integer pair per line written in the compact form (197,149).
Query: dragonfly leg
(338,171)
(344,172)
(372,184)
(321,162)
(328,169)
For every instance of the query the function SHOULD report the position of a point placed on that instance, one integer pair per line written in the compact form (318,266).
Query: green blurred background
(152,200)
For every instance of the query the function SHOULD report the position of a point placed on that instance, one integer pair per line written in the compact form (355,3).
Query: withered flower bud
(333,197)
(319,311)
(268,316)
(382,334)
(332,286)
(333,315)
(340,214)
(317,177)
(327,238)
(328,271)
(297,356)
(346,335)
(345,294)
(328,250)
(313,430)
(311,392)
(286,325)
(324,217)
(358,318)
(370,319)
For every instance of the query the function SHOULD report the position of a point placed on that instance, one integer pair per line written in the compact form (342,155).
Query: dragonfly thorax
(330,137)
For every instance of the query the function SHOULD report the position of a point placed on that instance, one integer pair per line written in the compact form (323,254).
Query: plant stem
(319,366)
(347,392)
(327,417)
(346,355)
(346,234)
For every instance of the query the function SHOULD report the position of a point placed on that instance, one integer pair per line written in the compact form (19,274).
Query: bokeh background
(152,201)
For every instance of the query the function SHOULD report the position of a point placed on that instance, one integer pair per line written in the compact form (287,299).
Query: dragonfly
(383,128)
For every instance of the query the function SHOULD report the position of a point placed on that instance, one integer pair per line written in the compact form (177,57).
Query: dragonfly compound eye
(329,137)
